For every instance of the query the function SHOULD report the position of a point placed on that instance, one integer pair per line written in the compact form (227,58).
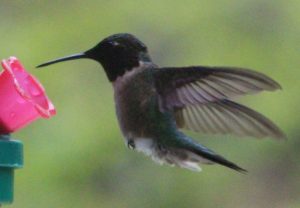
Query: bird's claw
(130,144)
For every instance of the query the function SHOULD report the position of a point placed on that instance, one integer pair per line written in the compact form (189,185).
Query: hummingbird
(153,104)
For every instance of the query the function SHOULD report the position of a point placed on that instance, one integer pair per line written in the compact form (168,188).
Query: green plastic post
(11,157)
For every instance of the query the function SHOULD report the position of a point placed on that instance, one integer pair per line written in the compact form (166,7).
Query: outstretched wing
(199,97)
(226,117)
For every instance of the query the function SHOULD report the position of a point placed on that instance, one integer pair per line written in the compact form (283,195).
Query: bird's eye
(114,43)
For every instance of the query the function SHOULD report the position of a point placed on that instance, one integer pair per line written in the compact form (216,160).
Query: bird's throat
(115,68)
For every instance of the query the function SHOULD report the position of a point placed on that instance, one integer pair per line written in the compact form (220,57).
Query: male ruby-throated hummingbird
(153,103)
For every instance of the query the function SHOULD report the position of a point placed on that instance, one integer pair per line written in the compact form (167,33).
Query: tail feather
(184,153)
(209,155)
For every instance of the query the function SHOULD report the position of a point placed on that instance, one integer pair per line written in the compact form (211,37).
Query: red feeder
(22,97)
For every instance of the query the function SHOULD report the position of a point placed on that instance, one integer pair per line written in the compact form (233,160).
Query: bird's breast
(136,102)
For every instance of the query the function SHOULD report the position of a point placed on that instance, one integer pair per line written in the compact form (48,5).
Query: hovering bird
(153,103)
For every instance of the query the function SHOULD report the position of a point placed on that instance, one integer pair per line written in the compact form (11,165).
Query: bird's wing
(183,86)
(226,117)
(198,96)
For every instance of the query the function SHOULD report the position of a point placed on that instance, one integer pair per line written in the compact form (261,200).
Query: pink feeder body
(22,97)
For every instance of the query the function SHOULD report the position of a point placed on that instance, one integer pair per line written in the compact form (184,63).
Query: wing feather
(196,85)
(227,117)
(200,99)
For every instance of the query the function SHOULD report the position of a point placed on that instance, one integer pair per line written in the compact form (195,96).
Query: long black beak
(67,58)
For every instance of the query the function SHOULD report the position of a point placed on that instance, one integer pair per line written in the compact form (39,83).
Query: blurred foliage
(78,158)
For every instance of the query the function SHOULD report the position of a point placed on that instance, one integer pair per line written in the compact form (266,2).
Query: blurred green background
(78,157)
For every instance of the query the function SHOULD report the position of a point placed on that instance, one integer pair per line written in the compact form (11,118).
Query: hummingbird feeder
(22,100)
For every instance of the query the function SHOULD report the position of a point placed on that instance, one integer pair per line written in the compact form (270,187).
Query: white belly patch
(145,145)
(149,148)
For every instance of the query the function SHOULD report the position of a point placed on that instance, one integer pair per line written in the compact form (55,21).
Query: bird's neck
(118,67)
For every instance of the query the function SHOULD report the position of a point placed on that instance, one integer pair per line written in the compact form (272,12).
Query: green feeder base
(11,157)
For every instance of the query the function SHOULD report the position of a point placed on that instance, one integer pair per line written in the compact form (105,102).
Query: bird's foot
(130,144)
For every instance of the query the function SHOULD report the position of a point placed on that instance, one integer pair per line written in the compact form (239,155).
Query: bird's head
(117,54)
